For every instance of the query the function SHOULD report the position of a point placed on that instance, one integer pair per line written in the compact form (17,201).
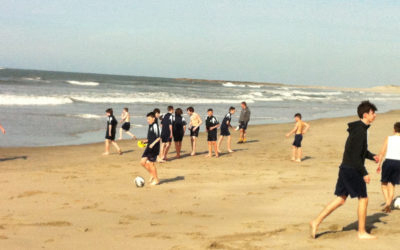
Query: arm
(155,142)
(2,130)
(170,131)
(200,122)
(307,127)
(382,154)
(109,129)
(292,131)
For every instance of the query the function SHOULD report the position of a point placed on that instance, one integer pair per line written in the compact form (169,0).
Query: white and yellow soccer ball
(396,203)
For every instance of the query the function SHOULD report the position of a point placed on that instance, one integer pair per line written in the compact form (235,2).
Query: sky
(344,43)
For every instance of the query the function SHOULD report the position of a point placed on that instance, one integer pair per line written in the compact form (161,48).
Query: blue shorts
(297,140)
(212,135)
(225,131)
(152,153)
(126,126)
(391,171)
(166,136)
(194,133)
(350,182)
(243,125)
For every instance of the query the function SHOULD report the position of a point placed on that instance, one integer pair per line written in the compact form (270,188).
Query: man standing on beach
(353,175)
(166,133)
(243,121)
(2,130)
(194,127)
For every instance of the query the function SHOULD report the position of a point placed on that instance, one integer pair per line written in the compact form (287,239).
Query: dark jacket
(245,115)
(356,149)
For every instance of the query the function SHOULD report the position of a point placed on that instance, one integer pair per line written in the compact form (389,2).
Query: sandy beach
(72,197)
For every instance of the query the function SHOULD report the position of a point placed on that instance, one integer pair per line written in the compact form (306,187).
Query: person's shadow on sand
(370,224)
(178,178)
(14,158)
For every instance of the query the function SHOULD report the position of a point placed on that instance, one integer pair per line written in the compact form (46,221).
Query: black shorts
(212,135)
(126,126)
(194,132)
(391,171)
(350,182)
(225,131)
(112,137)
(152,153)
(178,136)
(166,136)
(243,125)
(297,140)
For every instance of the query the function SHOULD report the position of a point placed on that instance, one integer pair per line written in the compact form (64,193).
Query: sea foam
(81,83)
(32,100)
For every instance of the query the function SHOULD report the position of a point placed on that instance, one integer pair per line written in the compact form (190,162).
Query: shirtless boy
(300,128)
(194,127)
(353,175)
(126,124)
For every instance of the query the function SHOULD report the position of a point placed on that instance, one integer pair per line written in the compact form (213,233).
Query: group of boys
(173,127)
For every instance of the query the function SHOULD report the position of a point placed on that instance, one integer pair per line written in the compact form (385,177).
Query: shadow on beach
(14,158)
(178,178)
(370,224)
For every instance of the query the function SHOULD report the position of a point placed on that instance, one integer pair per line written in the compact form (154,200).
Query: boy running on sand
(194,127)
(212,125)
(152,150)
(110,132)
(353,175)
(390,167)
(179,128)
(126,124)
(300,128)
(243,122)
(166,133)
(225,125)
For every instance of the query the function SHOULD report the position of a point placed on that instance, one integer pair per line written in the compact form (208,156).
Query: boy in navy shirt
(152,150)
(179,128)
(225,125)
(166,133)
(212,125)
(353,175)
(110,132)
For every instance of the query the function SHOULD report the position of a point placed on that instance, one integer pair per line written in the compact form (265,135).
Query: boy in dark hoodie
(353,175)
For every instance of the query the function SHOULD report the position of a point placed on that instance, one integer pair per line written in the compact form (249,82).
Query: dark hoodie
(356,149)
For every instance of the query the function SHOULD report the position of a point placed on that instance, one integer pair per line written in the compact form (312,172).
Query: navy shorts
(151,153)
(297,140)
(243,125)
(126,126)
(194,132)
(350,182)
(166,136)
(178,136)
(112,137)
(391,171)
(225,131)
(212,135)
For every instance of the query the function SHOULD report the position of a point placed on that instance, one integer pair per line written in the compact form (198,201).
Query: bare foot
(313,229)
(161,161)
(219,151)
(120,152)
(297,160)
(387,209)
(177,156)
(155,182)
(230,151)
(106,153)
(193,154)
(134,138)
(151,179)
(216,156)
(207,156)
(366,236)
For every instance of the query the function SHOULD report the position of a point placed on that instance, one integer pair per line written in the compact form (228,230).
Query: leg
(178,151)
(209,149)
(193,145)
(294,152)
(167,149)
(116,147)
(241,135)
(131,135)
(244,135)
(362,217)
(214,143)
(161,155)
(332,206)
(390,191)
(153,172)
(228,144)
(120,134)
(299,154)
(385,193)
(219,143)
(107,147)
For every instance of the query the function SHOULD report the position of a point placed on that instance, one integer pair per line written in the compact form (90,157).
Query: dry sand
(74,198)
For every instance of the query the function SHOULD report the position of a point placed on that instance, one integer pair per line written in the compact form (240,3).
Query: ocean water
(42,108)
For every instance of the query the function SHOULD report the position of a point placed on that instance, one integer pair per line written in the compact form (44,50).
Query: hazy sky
(336,43)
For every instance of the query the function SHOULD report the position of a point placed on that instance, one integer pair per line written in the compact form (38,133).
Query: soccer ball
(139,181)
(396,203)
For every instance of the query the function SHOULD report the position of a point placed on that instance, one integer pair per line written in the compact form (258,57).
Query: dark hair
(178,111)
(231,108)
(151,114)
(170,108)
(110,111)
(297,115)
(365,107)
(156,110)
(397,127)
(126,109)
(191,109)
(210,109)
(244,103)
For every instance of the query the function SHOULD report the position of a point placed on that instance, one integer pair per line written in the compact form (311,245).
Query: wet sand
(72,197)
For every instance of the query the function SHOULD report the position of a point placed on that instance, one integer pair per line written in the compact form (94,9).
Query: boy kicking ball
(353,175)
(152,150)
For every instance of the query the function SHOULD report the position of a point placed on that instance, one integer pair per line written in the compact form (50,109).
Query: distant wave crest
(33,100)
(81,83)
